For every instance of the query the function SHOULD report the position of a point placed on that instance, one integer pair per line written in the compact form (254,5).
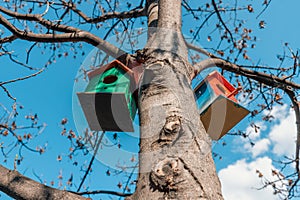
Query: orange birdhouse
(218,107)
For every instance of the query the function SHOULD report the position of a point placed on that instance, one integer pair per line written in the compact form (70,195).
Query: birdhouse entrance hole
(110,79)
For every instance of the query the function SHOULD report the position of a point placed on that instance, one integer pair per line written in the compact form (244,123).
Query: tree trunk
(175,152)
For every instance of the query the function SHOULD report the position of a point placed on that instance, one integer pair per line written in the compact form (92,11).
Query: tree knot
(171,128)
(165,174)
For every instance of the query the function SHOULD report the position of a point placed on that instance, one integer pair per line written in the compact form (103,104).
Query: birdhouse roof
(218,76)
(115,63)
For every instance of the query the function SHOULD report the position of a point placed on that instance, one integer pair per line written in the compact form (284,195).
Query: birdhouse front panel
(218,108)
(107,102)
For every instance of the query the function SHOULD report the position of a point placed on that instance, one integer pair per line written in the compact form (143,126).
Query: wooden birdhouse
(218,107)
(108,102)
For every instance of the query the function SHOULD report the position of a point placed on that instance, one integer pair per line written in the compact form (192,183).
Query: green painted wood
(108,102)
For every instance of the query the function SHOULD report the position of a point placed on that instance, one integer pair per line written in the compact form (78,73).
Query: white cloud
(283,135)
(240,180)
(259,148)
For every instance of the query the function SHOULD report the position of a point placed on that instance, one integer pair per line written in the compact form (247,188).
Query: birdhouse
(218,107)
(108,102)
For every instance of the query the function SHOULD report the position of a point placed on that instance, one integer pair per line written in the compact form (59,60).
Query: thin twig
(265,8)
(28,52)
(91,161)
(8,93)
(16,136)
(221,20)
(103,192)
(135,13)
(130,176)
(79,36)
(23,78)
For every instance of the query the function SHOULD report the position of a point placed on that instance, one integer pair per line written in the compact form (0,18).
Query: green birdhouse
(108,102)
(219,109)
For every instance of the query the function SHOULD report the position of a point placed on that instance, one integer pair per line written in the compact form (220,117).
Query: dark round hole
(110,79)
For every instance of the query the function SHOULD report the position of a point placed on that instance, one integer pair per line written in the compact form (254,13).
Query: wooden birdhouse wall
(108,102)
(219,109)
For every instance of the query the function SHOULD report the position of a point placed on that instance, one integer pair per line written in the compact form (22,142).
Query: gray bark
(175,152)
(18,186)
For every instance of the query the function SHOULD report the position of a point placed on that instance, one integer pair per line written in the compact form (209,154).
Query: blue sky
(51,94)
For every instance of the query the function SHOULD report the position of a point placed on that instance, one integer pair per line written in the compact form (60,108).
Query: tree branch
(200,50)
(16,136)
(134,13)
(266,79)
(104,192)
(38,18)
(8,93)
(295,103)
(18,186)
(78,36)
(221,20)
(23,78)
(7,39)
(91,161)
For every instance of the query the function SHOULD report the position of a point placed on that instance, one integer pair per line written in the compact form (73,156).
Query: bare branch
(8,93)
(221,20)
(38,18)
(91,161)
(16,136)
(265,8)
(199,49)
(5,53)
(18,186)
(20,63)
(8,39)
(103,192)
(47,9)
(134,13)
(78,36)
(23,78)
(270,80)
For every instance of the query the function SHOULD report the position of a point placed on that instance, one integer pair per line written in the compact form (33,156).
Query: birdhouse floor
(221,116)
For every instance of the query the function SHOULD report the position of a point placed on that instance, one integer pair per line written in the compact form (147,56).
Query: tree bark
(175,152)
(18,186)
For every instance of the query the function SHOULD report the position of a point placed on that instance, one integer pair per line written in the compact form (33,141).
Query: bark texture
(175,152)
(18,186)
